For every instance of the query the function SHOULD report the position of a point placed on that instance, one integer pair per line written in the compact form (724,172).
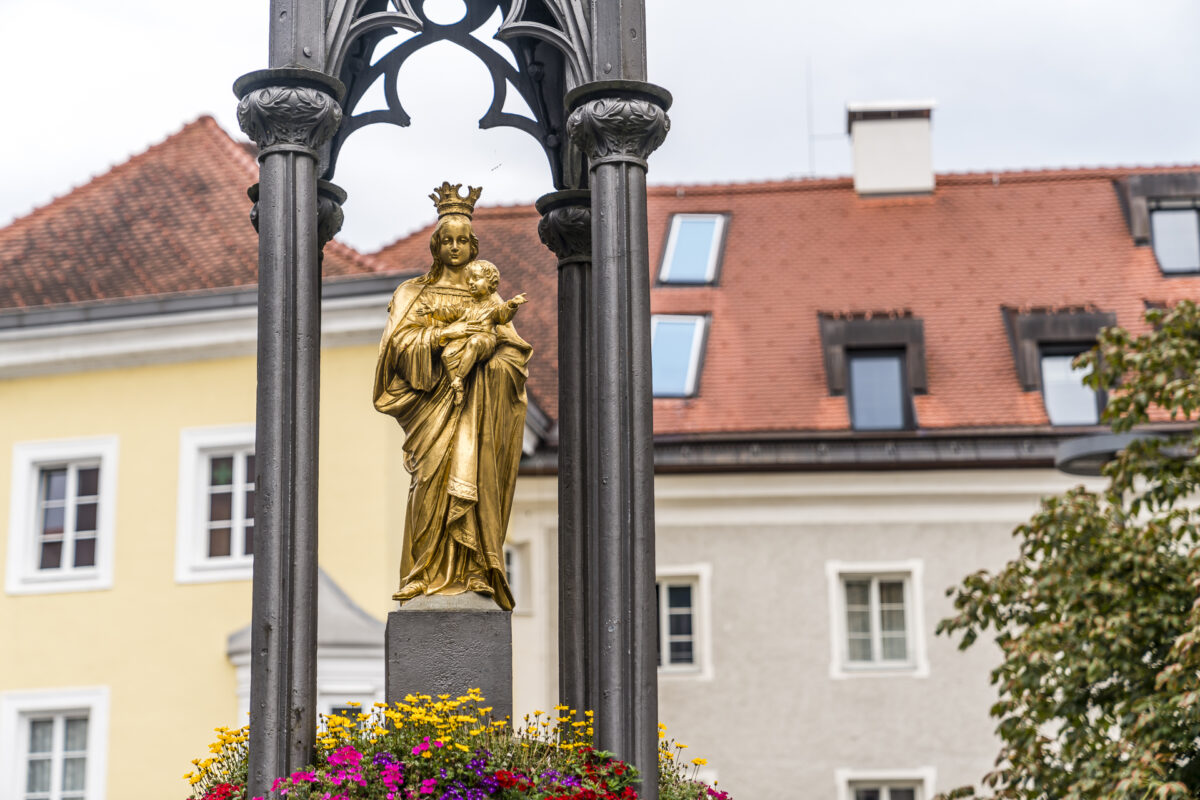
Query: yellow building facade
(140,638)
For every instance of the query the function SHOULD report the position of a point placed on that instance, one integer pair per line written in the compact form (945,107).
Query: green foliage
(1097,618)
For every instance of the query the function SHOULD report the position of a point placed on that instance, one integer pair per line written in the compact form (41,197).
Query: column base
(440,644)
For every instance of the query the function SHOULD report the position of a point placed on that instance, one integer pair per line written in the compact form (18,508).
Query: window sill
(92,580)
(906,669)
(203,572)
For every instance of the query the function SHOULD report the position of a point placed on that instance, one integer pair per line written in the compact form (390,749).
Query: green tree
(1097,618)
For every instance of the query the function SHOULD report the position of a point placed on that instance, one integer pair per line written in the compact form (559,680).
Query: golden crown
(449,201)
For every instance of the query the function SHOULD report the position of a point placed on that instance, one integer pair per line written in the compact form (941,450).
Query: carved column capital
(330,198)
(566,225)
(293,110)
(620,121)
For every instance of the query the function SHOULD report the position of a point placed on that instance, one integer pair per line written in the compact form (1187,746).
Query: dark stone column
(566,228)
(617,124)
(289,113)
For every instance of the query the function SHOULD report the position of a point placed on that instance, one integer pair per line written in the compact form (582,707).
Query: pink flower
(345,755)
(429,786)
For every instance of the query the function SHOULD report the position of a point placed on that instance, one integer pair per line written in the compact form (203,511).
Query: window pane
(1068,401)
(892,620)
(53,521)
(876,392)
(902,794)
(39,776)
(858,593)
(681,653)
(85,552)
(220,471)
(218,542)
(76,741)
(681,625)
(693,240)
(679,596)
(891,592)
(74,772)
(860,649)
(220,506)
(89,482)
(40,733)
(672,356)
(658,621)
(895,648)
(250,504)
(1176,239)
(85,517)
(866,794)
(54,484)
(51,557)
(858,621)
(250,476)
(249,539)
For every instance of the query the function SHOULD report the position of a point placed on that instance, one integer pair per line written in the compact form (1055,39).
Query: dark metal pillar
(289,111)
(617,122)
(566,228)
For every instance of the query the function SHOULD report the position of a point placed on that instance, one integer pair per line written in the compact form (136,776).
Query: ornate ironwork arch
(550,41)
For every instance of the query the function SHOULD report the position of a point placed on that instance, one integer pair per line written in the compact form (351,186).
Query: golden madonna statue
(452,372)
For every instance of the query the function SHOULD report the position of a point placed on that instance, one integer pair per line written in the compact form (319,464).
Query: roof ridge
(75,191)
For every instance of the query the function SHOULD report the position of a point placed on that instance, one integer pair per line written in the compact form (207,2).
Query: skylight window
(676,344)
(693,249)
(1175,235)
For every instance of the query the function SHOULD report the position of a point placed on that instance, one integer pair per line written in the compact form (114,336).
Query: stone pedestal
(448,645)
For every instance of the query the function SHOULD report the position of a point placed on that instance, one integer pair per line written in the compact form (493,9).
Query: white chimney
(893,153)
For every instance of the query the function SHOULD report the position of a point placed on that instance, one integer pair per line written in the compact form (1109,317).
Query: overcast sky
(1018,84)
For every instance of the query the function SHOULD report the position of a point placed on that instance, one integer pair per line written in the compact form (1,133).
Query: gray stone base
(448,644)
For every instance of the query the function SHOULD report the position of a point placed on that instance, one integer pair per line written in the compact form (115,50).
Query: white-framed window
(693,251)
(876,618)
(54,744)
(1175,236)
(676,342)
(1068,401)
(61,512)
(215,522)
(683,620)
(516,566)
(913,784)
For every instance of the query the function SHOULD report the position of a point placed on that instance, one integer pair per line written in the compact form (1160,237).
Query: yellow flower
(699,762)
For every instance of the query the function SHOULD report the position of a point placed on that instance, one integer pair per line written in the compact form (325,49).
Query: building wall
(767,711)
(763,706)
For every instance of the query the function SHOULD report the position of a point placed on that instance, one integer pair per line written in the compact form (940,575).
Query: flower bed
(429,748)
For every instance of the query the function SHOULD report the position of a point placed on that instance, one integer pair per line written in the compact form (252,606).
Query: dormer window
(877,395)
(676,342)
(1175,235)
(1045,344)
(1068,401)
(693,251)
(878,362)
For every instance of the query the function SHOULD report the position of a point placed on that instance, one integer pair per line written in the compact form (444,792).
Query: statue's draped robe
(462,459)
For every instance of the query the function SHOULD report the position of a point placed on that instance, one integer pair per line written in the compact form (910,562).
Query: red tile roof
(794,249)
(174,218)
